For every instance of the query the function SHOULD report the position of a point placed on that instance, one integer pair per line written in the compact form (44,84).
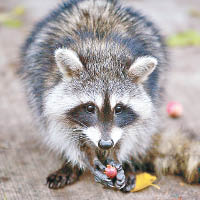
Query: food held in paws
(110,171)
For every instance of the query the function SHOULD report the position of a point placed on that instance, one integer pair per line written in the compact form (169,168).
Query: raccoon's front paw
(62,177)
(119,180)
(56,180)
(99,175)
(130,179)
(103,179)
(130,183)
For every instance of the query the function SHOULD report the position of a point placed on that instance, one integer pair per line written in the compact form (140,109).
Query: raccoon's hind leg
(64,176)
(178,152)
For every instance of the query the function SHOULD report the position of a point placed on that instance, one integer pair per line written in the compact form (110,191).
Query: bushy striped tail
(177,152)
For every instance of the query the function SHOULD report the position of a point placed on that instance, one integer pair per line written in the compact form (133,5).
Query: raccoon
(93,71)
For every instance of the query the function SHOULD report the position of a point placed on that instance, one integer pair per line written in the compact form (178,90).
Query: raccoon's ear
(142,68)
(68,62)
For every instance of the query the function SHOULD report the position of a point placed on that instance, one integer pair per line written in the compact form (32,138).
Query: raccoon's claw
(102,178)
(130,183)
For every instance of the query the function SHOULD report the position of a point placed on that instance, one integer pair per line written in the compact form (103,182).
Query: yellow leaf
(144,180)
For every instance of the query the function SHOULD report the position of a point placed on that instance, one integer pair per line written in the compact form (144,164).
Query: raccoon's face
(102,111)
(103,122)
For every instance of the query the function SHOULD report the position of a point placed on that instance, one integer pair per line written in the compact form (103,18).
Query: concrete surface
(24,163)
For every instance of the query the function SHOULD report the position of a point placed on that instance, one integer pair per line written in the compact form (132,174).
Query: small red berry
(174,109)
(110,171)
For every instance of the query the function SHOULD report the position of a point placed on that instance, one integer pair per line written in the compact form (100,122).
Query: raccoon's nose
(105,144)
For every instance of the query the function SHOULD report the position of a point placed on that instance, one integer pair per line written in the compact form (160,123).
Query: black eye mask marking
(81,116)
(85,116)
(126,117)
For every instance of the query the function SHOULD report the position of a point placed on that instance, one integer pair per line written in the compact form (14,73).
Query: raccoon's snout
(105,144)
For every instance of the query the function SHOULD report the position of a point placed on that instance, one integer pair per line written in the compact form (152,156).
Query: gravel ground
(24,164)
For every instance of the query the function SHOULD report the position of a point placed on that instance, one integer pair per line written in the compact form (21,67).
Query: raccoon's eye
(90,108)
(118,109)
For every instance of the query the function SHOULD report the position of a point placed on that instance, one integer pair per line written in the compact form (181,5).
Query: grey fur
(107,42)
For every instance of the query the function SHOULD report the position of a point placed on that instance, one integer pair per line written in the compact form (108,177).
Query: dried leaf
(144,180)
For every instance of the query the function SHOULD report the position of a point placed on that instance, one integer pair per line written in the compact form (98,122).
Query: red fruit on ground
(110,171)
(174,109)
